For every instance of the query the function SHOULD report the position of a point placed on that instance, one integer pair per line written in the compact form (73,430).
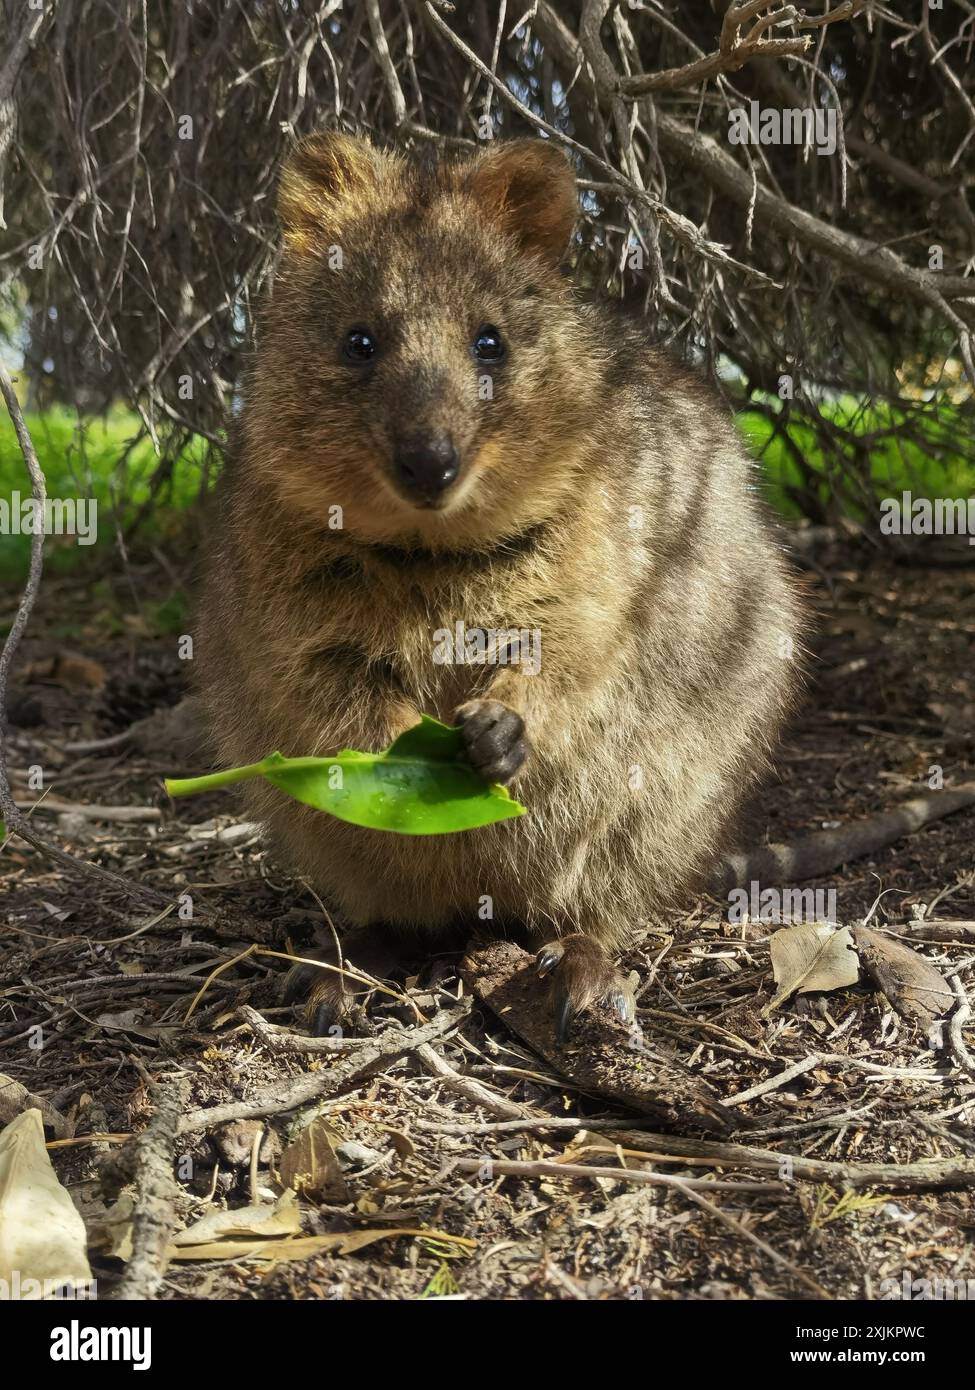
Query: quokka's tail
(821,852)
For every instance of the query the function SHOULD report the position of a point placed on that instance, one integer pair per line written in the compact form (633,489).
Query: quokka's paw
(582,974)
(330,998)
(326,998)
(494,739)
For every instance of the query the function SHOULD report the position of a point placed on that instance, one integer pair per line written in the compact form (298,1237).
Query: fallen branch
(154,1218)
(542,1168)
(292,1093)
(469,1087)
(819,1059)
(283,1041)
(119,814)
(959,1018)
(946,929)
(926,1173)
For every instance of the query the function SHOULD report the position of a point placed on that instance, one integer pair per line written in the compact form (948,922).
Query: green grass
(89,463)
(897,463)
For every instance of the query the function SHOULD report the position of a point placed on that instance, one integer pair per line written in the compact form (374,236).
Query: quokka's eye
(488,345)
(360,345)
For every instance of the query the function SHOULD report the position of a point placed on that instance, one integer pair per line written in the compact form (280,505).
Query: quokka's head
(423,364)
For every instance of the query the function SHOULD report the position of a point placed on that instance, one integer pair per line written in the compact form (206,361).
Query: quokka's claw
(565,1017)
(328,996)
(323,1018)
(582,974)
(547,959)
(326,1000)
(297,982)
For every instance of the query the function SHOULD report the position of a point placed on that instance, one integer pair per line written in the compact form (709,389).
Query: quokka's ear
(528,186)
(323,174)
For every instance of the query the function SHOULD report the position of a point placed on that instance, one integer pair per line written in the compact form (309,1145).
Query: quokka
(438,430)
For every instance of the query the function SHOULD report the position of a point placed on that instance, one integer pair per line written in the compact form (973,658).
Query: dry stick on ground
(641,1177)
(9,811)
(959,1018)
(156,1190)
(293,1092)
(117,814)
(469,1087)
(907,1177)
(815,1059)
(280,1039)
(822,851)
(904,1177)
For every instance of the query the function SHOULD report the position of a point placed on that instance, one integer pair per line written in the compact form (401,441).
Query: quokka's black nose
(427,466)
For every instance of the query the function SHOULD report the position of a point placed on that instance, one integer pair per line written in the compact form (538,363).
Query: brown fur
(665,647)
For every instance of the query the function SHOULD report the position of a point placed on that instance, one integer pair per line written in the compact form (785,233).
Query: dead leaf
(74,673)
(914,987)
(128,1021)
(400,1141)
(110,1232)
(42,1236)
(121,1020)
(309,1163)
(811,956)
(60,914)
(303,1247)
(231,1227)
(15,1099)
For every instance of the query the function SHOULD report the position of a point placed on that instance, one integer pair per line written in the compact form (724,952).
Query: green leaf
(421,785)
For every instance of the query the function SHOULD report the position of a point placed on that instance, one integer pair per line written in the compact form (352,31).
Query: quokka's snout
(426,467)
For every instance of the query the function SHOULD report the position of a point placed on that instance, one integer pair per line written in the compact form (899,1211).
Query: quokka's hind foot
(582,974)
(330,997)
